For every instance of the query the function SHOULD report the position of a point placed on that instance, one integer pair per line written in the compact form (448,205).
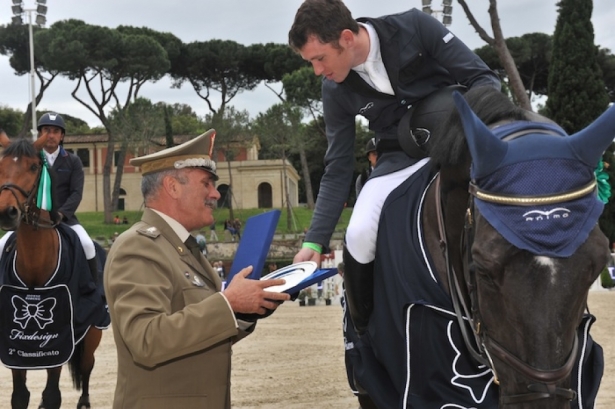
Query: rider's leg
(358,281)
(3,241)
(88,249)
(363,226)
(360,247)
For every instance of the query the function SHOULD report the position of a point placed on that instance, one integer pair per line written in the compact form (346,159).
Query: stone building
(256,183)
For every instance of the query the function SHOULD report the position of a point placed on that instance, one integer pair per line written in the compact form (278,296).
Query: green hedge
(606,280)
(93,222)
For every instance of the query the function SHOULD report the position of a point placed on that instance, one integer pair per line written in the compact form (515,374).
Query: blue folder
(318,276)
(254,245)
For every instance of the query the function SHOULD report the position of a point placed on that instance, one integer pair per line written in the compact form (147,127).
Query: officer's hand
(250,296)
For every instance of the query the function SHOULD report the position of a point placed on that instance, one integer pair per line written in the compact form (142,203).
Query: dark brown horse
(36,266)
(480,293)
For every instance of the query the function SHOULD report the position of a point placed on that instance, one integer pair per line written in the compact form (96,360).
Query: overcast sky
(255,21)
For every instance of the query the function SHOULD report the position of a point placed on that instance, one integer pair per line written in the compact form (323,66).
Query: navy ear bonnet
(543,161)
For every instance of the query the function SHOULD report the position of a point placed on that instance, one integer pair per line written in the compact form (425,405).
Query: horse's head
(20,170)
(535,248)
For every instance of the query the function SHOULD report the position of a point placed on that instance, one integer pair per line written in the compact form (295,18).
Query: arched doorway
(225,200)
(121,205)
(265,197)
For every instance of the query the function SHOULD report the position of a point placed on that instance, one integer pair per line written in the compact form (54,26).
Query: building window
(84,155)
(116,157)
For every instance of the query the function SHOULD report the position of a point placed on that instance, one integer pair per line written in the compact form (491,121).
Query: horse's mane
(490,105)
(20,147)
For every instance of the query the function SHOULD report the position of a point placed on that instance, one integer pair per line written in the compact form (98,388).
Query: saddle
(419,127)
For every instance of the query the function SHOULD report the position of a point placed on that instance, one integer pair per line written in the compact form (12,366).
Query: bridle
(480,345)
(30,213)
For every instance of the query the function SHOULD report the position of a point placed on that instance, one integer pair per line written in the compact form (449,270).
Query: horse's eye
(483,274)
(34,167)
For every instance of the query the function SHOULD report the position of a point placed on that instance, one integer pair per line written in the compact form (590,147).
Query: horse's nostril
(12,212)
(9,217)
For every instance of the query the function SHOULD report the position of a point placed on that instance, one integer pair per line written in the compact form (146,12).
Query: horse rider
(372,157)
(379,68)
(68,182)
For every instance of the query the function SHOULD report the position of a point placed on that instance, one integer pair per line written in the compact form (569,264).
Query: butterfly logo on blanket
(41,312)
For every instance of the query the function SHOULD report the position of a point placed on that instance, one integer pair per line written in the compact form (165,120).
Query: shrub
(605,279)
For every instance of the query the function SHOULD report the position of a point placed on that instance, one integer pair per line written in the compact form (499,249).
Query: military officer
(173,326)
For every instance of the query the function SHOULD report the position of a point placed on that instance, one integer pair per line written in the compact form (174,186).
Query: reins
(475,348)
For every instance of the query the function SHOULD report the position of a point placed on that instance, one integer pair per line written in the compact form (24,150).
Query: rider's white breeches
(3,241)
(86,241)
(363,226)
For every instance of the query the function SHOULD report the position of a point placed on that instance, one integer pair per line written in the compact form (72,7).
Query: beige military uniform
(175,352)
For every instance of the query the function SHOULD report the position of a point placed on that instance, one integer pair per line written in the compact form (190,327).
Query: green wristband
(316,247)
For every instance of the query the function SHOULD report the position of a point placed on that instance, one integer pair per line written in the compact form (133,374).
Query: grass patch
(93,222)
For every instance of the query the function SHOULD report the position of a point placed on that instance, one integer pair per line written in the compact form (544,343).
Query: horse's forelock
(490,105)
(20,147)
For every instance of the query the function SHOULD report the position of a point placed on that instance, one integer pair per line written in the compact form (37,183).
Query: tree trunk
(516,84)
(28,115)
(305,171)
(229,192)
(499,44)
(119,173)
(289,210)
(107,201)
(27,122)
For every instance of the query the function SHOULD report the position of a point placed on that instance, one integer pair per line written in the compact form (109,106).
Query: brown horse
(480,285)
(36,266)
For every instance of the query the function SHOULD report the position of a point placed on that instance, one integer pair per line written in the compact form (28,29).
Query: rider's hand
(307,254)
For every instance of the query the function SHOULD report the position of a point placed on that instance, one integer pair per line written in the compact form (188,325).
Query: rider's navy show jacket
(420,56)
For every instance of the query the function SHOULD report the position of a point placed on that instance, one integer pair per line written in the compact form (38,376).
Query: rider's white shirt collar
(373,70)
(51,157)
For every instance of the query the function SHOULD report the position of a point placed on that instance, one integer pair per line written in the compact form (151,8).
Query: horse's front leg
(52,398)
(21,395)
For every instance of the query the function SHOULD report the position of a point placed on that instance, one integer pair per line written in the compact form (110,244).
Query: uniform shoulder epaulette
(151,232)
